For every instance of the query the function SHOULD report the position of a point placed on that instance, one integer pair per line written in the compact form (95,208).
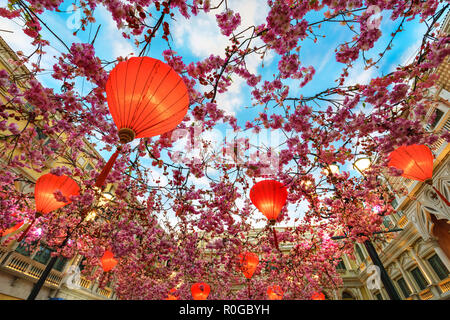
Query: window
(43,255)
(29,107)
(438,266)
(40,134)
(404,287)
(394,203)
(81,161)
(419,278)
(359,252)
(60,264)
(89,167)
(347,296)
(387,222)
(24,249)
(82,264)
(341,265)
(437,117)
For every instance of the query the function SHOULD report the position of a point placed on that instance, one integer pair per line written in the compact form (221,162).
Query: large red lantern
(146,98)
(44,197)
(416,161)
(108,261)
(248,262)
(12,229)
(200,291)
(318,296)
(275,292)
(269,196)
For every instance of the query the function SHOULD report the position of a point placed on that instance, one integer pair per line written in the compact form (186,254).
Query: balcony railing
(426,294)
(445,285)
(27,267)
(21,264)
(402,222)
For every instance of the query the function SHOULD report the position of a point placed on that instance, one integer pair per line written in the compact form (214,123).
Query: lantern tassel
(441,196)
(104,174)
(26,230)
(275,238)
(248,289)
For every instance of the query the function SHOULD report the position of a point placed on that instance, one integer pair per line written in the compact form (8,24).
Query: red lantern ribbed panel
(146,96)
(275,292)
(12,229)
(108,261)
(44,190)
(415,160)
(318,296)
(269,196)
(248,262)
(200,291)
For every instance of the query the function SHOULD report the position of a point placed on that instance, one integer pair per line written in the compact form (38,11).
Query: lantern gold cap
(126,135)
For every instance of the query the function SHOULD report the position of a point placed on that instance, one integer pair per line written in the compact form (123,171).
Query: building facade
(21,267)
(417,259)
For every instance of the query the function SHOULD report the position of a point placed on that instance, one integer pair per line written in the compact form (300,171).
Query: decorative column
(445,260)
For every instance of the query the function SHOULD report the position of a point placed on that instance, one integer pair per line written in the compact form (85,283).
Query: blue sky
(197,38)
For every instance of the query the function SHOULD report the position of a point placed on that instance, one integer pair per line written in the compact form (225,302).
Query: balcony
(29,269)
(402,222)
(445,285)
(426,294)
(18,264)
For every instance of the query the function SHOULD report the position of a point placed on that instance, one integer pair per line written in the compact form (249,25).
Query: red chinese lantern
(269,196)
(44,197)
(318,296)
(248,262)
(275,292)
(170,295)
(146,98)
(200,291)
(108,261)
(416,161)
(12,229)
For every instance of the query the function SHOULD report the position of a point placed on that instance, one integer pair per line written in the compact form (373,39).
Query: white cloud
(156,177)
(201,35)
(111,37)
(358,75)
(19,41)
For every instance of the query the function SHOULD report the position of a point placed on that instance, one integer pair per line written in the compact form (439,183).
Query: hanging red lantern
(108,262)
(170,295)
(269,196)
(45,188)
(275,292)
(12,229)
(146,98)
(416,161)
(44,197)
(248,262)
(200,291)
(318,296)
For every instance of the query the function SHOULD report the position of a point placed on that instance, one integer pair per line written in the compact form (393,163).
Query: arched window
(347,296)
